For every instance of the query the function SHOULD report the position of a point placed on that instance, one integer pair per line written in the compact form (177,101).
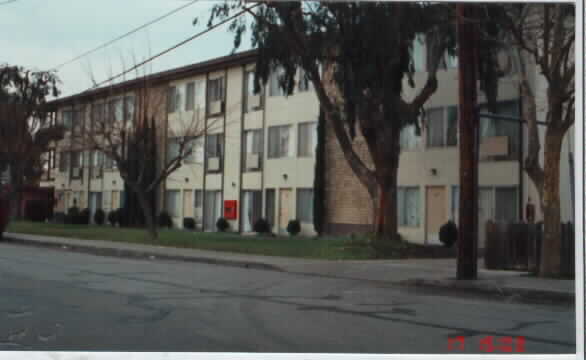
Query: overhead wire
(110,42)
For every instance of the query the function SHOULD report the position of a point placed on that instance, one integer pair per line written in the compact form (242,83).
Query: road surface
(56,300)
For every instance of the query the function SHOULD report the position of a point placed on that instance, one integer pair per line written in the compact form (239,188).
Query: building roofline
(214,64)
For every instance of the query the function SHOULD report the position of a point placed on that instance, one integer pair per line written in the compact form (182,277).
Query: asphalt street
(60,300)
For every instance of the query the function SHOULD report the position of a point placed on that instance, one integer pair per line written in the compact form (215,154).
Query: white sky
(41,34)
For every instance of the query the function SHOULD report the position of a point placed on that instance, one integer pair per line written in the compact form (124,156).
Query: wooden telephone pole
(468,125)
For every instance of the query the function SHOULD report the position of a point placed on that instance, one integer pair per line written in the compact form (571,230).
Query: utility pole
(469,139)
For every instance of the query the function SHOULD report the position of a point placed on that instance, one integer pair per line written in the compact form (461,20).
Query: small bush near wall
(36,210)
(261,226)
(448,234)
(113,217)
(84,217)
(189,223)
(59,218)
(72,214)
(294,227)
(99,217)
(222,224)
(165,220)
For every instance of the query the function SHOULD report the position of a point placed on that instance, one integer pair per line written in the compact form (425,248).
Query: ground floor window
(305,205)
(270,206)
(172,203)
(251,209)
(408,206)
(212,209)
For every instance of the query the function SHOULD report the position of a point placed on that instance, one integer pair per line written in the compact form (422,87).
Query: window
(270,206)
(252,149)
(442,127)
(214,145)
(76,159)
(173,147)
(189,96)
(52,156)
(408,206)
(212,210)
(216,89)
(198,199)
(305,205)
(495,127)
(252,98)
(200,94)
(129,106)
(97,158)
(172,99)
(98,116)
(63,161)
(408,139)
(303,81)
(67,119)
(251,209)
(115,110)
(274,84)
(307,139)
(172,202)
(280,141)
(197,153)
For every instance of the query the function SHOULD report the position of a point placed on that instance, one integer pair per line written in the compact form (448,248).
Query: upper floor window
(275,88)
(195,152)
(215,95)
(98,116)
(129,107)
(280,141)
(303,83)
(252,99)
(173,99)
(499,138)
(442,127)
(63,161)
(307,139)
(214,151)
(115,110)
(252,149)
(189,96)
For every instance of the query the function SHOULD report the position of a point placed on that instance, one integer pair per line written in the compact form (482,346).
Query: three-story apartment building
(257,154)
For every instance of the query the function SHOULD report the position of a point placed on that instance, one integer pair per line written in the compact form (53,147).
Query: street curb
(491,289)
(445,286)
(136,254)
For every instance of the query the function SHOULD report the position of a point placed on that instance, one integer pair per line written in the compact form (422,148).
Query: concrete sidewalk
(433,274)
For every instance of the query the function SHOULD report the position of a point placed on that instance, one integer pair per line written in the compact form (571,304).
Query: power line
(240,13)
(124,35)
(7,2)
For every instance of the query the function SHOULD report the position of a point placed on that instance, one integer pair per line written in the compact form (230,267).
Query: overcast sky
(41,34)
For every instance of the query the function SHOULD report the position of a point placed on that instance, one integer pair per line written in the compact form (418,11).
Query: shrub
(222,224)
(189,223)
(294,227)
(72,214)
(113,217)
(36,210)
(83,218)
(165,220)
(261,226)
(99,217)
(448,234)
(59,218)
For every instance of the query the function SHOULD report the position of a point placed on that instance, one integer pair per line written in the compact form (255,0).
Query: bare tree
(131,135)
(544,34)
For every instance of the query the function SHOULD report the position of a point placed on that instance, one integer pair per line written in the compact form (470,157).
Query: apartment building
(257,158)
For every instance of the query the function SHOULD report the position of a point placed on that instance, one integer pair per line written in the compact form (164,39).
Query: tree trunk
(551,245)
(147,211)
(387,170)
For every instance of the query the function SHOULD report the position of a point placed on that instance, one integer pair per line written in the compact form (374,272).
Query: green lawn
(298,246)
